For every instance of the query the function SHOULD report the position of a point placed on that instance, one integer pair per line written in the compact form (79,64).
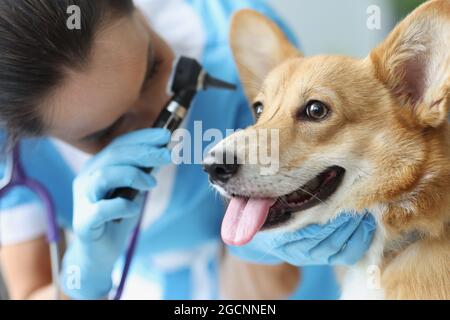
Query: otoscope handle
(170,118)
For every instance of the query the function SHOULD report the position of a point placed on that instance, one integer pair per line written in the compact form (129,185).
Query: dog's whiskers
(313,196)
(305,191)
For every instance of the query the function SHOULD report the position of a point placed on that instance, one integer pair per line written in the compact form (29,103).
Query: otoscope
(188,77)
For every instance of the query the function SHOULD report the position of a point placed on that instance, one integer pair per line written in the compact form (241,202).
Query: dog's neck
(425,208)
(393,247)
(423,211)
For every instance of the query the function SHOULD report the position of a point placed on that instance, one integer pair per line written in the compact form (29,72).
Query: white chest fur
(363,281)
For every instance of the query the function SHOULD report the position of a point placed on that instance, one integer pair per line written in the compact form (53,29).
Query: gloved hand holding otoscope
(96,237)
(188,77)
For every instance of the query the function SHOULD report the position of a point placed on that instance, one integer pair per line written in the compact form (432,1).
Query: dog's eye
(315,110)
(258,108)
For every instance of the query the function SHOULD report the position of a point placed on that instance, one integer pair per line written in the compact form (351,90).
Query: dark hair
(37,47)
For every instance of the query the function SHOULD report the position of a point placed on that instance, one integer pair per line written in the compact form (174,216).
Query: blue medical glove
(342,241)
(98,240)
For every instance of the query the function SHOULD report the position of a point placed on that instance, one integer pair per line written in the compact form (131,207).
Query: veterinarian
(87,96)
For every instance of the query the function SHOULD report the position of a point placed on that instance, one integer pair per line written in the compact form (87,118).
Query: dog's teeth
(293,197)
(299,194)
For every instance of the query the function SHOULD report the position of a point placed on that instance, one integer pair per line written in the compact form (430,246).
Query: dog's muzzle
(222,168)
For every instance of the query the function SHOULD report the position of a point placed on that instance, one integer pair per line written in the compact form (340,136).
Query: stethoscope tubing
(15,177)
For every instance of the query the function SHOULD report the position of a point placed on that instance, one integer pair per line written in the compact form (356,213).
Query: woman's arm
(26,270)
(247,281)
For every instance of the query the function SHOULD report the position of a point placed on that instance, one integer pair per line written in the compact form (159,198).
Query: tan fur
(383,116)
(421,271)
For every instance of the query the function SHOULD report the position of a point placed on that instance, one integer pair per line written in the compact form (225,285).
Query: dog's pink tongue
(243,219)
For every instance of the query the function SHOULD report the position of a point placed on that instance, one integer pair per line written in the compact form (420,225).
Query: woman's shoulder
(42,161)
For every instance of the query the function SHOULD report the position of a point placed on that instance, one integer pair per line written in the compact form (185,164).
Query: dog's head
(339,133)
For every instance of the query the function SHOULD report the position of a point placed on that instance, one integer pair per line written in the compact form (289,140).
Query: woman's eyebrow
(150,63)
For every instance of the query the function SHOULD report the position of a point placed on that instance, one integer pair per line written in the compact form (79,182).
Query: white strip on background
(159,197)
(178,23)
(22,223)
(73,157)
(202,278)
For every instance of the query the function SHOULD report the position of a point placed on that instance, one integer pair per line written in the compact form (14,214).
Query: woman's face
(123,88)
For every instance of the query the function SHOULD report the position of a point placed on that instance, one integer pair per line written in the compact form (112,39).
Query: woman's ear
(258,46)
(414,62)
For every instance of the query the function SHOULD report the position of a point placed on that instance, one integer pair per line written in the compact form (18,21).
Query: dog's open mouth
(246,216)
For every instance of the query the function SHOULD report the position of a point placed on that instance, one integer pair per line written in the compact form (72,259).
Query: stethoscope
(188,77)
(15,177)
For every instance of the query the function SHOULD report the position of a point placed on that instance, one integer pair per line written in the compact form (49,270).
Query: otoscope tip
(211,82)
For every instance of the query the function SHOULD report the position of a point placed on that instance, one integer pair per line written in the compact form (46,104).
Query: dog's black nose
(222,172)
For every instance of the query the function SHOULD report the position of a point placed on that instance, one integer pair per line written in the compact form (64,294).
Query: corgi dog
(353,135)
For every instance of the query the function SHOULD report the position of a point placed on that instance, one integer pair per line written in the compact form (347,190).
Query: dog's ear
(258,46)
(414,62)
